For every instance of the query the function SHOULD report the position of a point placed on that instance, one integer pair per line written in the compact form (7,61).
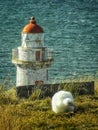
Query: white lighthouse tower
(32,58)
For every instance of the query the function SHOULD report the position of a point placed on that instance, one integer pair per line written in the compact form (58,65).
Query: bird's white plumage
(62,101)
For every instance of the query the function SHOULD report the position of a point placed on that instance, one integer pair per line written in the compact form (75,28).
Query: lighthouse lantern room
(32,58)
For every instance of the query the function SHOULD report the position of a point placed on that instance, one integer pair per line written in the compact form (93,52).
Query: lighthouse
(32,59)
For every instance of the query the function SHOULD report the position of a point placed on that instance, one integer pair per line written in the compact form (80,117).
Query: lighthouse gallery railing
(48,55)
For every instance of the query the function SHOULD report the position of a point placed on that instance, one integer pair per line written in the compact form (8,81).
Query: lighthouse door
(37,55)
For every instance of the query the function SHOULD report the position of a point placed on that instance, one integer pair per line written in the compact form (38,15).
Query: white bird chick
(62,101)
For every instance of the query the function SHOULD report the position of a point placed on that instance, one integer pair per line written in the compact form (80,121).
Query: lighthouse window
(37,55)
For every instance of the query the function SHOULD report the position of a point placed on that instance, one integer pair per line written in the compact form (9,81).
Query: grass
(36,114)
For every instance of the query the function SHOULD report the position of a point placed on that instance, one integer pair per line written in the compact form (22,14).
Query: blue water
(71,29)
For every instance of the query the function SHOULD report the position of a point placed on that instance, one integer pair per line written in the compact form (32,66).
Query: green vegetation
(36,114)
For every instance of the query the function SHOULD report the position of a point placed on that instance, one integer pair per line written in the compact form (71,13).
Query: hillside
(36,114)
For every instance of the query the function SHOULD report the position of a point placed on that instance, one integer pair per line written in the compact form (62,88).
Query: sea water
(71,29)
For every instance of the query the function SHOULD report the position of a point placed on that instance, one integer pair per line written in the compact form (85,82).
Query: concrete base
(47,90)
(24,91)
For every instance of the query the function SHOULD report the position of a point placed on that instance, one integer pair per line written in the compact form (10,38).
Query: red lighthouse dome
(32,27)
